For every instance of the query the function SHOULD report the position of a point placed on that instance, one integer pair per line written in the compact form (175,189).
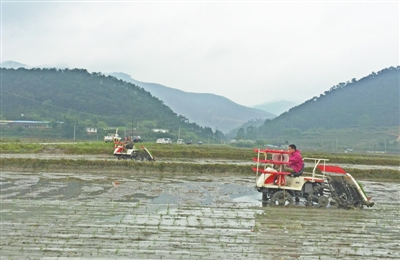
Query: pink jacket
(296,161)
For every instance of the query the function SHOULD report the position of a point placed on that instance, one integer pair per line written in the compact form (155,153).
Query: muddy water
(169,216)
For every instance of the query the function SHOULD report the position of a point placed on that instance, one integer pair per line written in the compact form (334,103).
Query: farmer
(129,143)
(295,165)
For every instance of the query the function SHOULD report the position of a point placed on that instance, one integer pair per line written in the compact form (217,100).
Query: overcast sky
(248,51)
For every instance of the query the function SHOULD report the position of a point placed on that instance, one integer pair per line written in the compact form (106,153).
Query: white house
(91,131)
(160,131)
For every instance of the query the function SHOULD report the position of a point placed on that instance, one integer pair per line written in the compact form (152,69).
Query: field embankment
(171,152)
(188,151)
(131,166)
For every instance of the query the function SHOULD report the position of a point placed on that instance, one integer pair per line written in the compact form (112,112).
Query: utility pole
(385,145)
(336,146)
(74,132)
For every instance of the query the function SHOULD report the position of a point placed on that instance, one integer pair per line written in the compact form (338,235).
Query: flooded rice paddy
(131,215)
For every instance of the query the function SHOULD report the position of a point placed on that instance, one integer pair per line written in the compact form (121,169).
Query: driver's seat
(297,174)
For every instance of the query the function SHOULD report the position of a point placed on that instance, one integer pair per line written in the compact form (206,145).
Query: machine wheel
(343,201)
(265,199)
(321,194)
(323,201)
(265,196)
(281,198)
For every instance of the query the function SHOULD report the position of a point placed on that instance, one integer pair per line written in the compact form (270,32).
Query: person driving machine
(128,144)
(295,165)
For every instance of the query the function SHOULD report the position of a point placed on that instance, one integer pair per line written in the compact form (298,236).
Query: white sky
(248,51)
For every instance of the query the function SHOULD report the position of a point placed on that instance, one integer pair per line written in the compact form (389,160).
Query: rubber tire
(281,198)
(265,197)
(323,201)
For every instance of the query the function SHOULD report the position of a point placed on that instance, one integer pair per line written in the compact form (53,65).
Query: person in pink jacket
(295,164)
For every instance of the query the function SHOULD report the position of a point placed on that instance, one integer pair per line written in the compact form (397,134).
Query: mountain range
(370,102)
(276,107)
(204,109)
(76,99)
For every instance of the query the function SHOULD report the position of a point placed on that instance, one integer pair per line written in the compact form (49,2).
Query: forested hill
(372,101)
(203,108)
(75,95)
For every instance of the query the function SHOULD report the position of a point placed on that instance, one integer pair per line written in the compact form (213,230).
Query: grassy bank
(126,166)
(132,167)
(188,151)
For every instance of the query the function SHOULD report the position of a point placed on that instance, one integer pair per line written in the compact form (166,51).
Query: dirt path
(169,216)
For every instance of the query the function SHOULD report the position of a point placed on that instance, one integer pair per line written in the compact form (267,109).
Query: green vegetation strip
(125,166)
(129,166)
(189,151)
(375,174)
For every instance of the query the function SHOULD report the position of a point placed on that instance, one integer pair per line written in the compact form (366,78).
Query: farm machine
(324,185)
(121,153)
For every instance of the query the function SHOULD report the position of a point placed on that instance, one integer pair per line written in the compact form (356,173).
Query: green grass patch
(131,166)
(189,152)
(62,165)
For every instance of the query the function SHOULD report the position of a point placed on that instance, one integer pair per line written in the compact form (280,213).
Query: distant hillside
(79,98)
(246,130)
(276,107)
(13,65)
(205,109)
(372,101)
